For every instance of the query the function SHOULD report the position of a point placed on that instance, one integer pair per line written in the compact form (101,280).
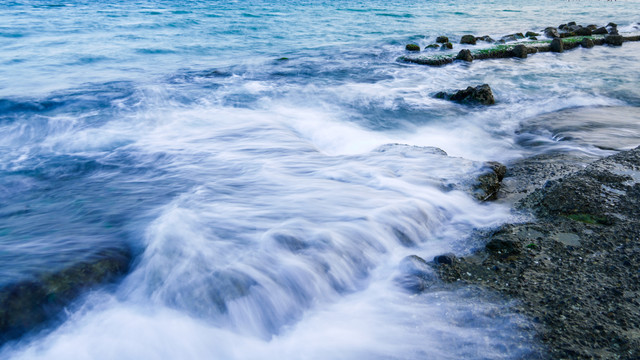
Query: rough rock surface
(412,47)
(481,94)
(465,55)
(442,39)
(576,268)
(556,46)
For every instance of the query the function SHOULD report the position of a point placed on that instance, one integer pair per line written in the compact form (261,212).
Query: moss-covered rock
(447,45)
(412,47)
(433,46)
(614,40)
(468,39)
(442,39)
(530,34)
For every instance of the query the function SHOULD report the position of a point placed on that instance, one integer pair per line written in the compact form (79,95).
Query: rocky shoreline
(574,269)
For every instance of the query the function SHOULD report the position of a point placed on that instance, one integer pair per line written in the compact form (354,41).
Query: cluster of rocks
(567,36)
(574,269)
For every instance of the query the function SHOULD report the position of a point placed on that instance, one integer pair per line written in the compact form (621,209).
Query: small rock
(468,39)
(445,259)
(533,38)
(481,94)
(614,40)
(531,34)
(587,43)
(556,46)
(513,37)
(433,46)
(465,55)
(551,32)
(412,47)
(614,31)
(447,45)
(571,23)
(488,184)
(600,31)
(442,39)
(485,38)
(416,275)
(592,27)
(611,24)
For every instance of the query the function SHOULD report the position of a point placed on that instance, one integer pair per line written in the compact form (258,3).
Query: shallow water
(269,213)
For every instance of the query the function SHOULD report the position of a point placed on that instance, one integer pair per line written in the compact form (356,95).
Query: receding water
(271,164)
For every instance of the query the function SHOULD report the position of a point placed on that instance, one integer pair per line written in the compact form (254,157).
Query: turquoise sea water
(268,212)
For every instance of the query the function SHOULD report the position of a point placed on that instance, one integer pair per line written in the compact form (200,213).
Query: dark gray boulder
(465,55)
(520,51)
(583,32)
(531,34)
(613,40)
(442,39)
(447,45)
(551,32)
(468,39)
(600,31)
(587,43)
(556,46)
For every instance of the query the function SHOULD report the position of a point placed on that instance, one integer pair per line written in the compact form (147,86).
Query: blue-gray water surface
(271,163)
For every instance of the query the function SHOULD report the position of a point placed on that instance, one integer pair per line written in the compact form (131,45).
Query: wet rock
(427,61)
(611,24)
(592,27)
(583,32)
(587,43)
(571,23)
(442,39)
(465,55)
(445,259)
(26,305)
(479,95)
(613,31)
(533,38)
(512,37)
(489,182)
(556,46)
(613,40)
(531,34)
(600,31)
(468,39)
(412,47)
(415,274)
(520,51)
(551,32)
(433,46)
(447,45)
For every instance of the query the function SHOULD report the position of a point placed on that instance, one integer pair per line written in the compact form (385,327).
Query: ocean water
(271,164)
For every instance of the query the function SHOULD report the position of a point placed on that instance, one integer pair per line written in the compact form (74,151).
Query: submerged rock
(447,45)
(433,46)
(488,184)
(412,47)
(531,34)
(28,304)
(485,38)
(416,275)
(468,39)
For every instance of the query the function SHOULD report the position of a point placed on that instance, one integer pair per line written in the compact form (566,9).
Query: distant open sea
(271,163)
